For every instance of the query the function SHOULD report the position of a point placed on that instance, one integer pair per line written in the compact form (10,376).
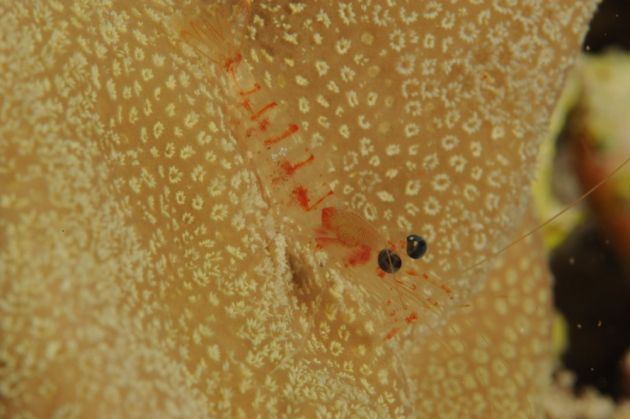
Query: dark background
(592,290)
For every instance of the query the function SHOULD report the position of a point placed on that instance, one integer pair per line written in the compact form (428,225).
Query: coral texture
(148,267)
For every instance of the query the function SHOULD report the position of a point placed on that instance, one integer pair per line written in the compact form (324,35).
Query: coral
(146,271)
(561,403)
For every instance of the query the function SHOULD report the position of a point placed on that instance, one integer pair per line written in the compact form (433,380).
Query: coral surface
(149,267)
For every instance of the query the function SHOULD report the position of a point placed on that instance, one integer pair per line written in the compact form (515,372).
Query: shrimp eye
(389,261)
(416,246)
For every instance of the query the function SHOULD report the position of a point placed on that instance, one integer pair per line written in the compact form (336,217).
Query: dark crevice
(592,291)
(610,27)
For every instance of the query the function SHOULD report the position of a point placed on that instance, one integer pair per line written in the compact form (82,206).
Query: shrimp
(291,182)
(388,267)
(375,260)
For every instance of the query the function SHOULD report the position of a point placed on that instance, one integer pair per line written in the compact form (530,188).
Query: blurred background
(590,246)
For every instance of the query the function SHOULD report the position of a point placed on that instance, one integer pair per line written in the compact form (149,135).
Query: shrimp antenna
(543,225)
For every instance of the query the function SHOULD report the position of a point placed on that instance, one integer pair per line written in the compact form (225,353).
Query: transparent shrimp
(293,184)
(215,33)
(292,180)
(384,267)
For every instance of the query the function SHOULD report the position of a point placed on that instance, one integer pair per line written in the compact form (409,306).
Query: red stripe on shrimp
(289,169)
(301,195)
